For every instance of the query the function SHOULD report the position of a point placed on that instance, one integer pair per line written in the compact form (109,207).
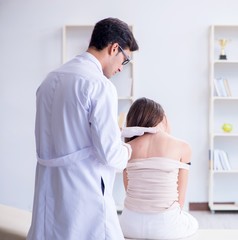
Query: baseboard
(199,206)
(193,206)
(203,206)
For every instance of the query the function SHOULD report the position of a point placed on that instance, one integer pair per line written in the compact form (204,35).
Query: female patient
(155,178)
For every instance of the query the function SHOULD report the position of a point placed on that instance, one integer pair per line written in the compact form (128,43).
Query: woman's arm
(183,174)
(125,179)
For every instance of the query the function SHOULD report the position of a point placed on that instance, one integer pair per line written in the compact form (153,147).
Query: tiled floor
(209,234)
(217,220)
(215,226)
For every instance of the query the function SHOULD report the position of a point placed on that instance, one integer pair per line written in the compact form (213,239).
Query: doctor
(78,141)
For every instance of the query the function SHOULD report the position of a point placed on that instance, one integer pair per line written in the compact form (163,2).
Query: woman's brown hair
(144,112)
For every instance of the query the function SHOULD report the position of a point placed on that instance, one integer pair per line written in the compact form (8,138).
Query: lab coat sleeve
(106,135)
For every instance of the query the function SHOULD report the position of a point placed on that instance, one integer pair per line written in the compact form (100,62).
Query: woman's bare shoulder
(186,150)
(183,146)
(179,141)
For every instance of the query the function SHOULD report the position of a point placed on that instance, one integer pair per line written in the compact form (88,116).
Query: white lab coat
(79,148)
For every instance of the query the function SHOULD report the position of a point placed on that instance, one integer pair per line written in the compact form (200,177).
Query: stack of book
(221,160)
(222,88)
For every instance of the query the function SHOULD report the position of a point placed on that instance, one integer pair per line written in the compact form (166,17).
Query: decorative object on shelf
(227,127)
(223,42)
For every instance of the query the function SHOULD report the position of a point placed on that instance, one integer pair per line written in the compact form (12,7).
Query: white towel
(129,132)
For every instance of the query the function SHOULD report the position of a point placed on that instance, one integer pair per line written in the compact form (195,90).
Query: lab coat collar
(93,59)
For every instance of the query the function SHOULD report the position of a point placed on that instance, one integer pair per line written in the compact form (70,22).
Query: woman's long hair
(144,112)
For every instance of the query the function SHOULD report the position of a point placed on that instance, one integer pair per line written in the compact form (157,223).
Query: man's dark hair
(110,31)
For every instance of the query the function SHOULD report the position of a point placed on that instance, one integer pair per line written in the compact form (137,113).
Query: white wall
(171,67)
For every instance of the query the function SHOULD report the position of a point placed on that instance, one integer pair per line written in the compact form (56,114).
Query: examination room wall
(171,67)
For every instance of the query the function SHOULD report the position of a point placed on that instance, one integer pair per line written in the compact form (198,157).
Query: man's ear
(113,49)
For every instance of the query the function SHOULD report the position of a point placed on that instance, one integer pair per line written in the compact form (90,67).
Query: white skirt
(170,224)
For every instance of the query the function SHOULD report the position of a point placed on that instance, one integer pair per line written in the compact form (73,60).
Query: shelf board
(225,26)
(224,206)
(225,98)
(224,171)
(225,135)
(125,98)
(78,26)
(226,61)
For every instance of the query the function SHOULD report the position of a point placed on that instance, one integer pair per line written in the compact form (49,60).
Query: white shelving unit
(75,40)
(223,191)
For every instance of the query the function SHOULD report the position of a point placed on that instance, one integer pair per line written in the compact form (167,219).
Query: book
(221,160)
(216,160)
(217,88)
(222,88)
(227,87)
(224,160)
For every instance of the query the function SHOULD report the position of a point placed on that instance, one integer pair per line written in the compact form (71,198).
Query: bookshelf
(75,40)
(223,109)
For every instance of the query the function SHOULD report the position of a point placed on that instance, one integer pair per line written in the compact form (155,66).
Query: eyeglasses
(127,58)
